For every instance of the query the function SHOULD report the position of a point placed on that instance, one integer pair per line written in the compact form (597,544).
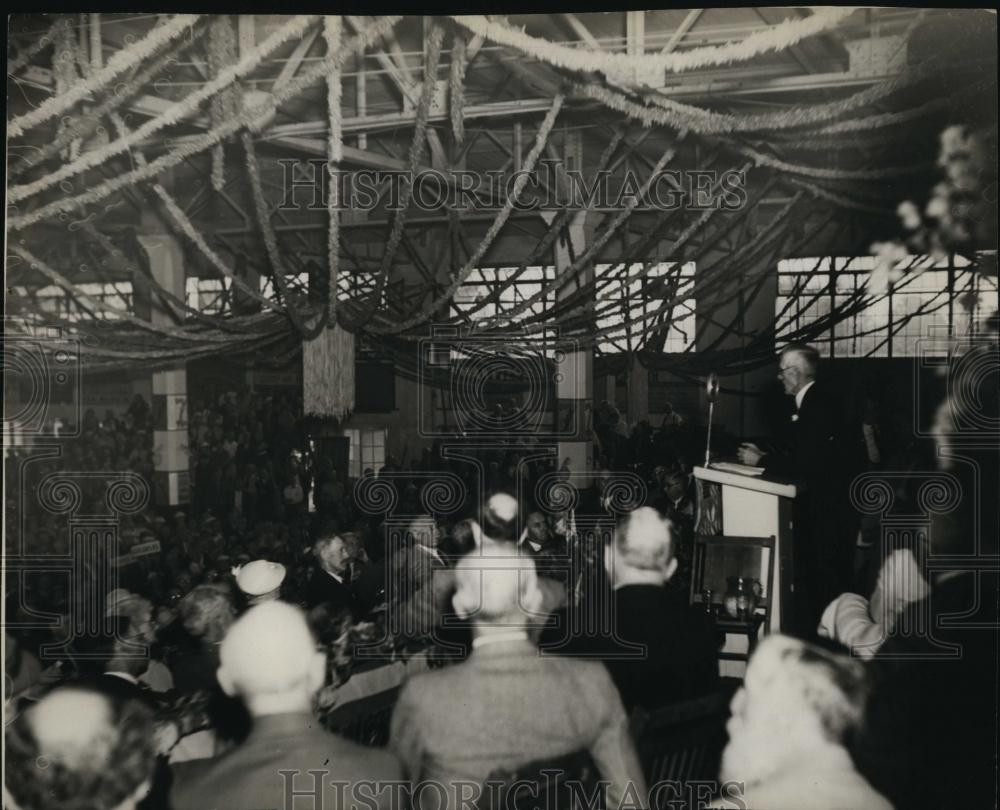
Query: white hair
(643,540)
(496,583)
(268,650)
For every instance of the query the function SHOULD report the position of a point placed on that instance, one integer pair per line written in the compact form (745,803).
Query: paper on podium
(739,469)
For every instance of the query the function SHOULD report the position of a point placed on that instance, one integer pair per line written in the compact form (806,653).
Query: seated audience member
(140,612)
(114,661)
(537,538)
(269,659)
(515,706)
(260,581)
(330,579)
(79,749)
(207,612)
(681,656)
(930,737)
(661,650)
(791,722)
(861,624)
(675,499)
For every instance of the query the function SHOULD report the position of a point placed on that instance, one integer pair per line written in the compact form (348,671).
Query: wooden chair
(683,742)
(716,558)
(567,781)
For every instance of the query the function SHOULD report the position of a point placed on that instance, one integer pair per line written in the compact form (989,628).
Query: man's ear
(671,569)
(316,676)
(225,681)
(458,602)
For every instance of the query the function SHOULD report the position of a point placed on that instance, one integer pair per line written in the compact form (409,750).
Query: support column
(575,377)
(638,390)
(171,475)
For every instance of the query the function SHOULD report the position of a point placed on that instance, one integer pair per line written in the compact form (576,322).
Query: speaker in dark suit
(817,461)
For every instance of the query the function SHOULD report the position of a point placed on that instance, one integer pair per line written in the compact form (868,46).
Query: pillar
(575,375)
(171,476)
(638,390)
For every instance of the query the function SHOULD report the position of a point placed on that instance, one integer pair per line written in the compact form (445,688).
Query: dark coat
(324,589)
(249,775)
(661,650)
(818,462)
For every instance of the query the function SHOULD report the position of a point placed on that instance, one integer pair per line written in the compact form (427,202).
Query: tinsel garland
(763,159)
(456,87)
(65,76)
(181,221)
(120,63)
(226,103)
(73,290)
(880,120)
(125,265)
(83,125)
(550,235)
(35,48)
(173,114)
(839,199)
(332,33)
(667,305)
(416,150)
(667,112)
(267,233)
(775,38)
(328,373)
(705,274)
(564,277)
(527,168)
(247,118)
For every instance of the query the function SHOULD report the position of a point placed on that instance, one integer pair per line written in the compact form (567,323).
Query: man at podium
(817,463)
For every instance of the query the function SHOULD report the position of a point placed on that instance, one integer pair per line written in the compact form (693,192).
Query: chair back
(566,781)
(683,742)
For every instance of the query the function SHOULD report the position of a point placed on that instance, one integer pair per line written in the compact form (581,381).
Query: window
(928,301)
(54,301)
(297,284)
(490,292)
(629,303)
(500,289)
(208,295)
(367,449)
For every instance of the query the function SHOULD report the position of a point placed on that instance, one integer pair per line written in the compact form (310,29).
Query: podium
(753,506)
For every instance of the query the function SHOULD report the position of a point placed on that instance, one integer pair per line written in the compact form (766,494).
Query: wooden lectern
(753,506)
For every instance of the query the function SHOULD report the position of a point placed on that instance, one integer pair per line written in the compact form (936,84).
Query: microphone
(712,393)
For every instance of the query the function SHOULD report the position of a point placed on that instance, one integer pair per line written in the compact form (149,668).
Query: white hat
(259,577)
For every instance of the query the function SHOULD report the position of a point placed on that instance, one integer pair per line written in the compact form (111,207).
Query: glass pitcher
(742,597)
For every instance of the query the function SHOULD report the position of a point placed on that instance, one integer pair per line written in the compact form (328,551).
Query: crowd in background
(272,523)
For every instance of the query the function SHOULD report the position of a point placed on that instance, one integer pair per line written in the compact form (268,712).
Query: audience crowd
(282,628)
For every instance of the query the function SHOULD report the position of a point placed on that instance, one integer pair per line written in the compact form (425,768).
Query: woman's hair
(119,758)
(207,612)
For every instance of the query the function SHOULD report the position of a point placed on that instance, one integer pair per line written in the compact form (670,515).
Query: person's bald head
(642,549)
(496,586)
(798,365)
(103,758)
(269,658)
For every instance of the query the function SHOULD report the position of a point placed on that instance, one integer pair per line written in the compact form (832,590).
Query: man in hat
(260,580)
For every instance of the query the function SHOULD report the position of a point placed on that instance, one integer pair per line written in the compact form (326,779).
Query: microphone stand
(708,441)
(712,390)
